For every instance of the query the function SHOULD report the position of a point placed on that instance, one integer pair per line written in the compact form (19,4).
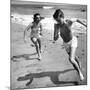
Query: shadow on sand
(53,76)
(25,56)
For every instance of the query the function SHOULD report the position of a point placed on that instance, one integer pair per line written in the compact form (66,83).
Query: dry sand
(53,70)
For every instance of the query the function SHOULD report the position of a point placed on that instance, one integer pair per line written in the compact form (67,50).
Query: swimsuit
(35,31)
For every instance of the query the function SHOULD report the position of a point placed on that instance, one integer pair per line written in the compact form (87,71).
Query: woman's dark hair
(58,12)
(35,15)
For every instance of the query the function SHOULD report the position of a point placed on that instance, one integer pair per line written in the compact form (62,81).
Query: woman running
(36,32)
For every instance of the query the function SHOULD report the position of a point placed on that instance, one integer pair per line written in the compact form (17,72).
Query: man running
(63,28)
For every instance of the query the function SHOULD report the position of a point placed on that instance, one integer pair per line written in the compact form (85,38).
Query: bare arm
(41,29)
(75,20)
(81,23)
(27,28)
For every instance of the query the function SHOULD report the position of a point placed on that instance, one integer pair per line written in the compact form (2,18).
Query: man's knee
(72,60)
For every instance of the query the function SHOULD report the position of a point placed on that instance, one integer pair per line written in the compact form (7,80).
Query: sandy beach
(54,69)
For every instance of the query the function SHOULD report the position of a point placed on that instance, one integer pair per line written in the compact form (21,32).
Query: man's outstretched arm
(81,23)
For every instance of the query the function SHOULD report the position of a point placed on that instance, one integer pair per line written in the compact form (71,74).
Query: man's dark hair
(57,12)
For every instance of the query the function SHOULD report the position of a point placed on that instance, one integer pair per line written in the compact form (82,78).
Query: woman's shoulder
(30,24)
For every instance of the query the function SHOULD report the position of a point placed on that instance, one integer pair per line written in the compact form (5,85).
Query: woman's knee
(34,40)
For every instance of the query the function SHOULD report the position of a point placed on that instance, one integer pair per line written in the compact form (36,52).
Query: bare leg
(34,40)
(75,63)
(76,58)
(39,42)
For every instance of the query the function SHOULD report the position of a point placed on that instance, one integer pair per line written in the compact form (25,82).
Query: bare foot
(81,77)
(39,58)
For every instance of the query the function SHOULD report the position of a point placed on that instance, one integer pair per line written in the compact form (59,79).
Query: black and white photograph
(48,44)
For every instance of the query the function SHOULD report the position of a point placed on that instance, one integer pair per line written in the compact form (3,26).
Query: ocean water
(23,14)
(69,11)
